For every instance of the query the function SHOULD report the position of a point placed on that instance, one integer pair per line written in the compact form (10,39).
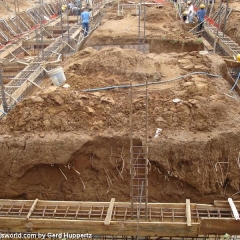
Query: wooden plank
(207,44)
(188,213)
(126,228)
(57,28)
(16,202)
(225,204)
(219,226)
(34,42)
(106,204)
(10,50)
(32,209)
(231,63)
(109,212)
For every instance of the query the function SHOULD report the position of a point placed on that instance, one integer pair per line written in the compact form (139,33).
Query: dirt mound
(156,15)
(109,66)
(200,106)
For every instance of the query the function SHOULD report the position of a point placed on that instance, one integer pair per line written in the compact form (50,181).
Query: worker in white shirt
(190,11)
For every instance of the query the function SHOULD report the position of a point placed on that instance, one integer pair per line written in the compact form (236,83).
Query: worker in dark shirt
(201,15)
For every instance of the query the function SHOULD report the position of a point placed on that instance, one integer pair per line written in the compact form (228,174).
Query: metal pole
(15,7)
(146,155)
(216,37)
(68,26)
(139,210)
(225,20)
(61,26)
(61,20)
(36,32)
(144,26)
(18,6)
(219,16)
(41,31)
(4,101)
(139,22)
(131,148)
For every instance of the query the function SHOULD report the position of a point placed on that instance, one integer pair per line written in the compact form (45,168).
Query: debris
(158,131)
(66,85)
(176,100)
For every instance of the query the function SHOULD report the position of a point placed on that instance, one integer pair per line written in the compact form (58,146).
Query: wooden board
(126,228)
(220,226)
(232,63)
(109,212)
(188,213)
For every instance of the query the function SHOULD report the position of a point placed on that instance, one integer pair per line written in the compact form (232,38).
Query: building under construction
(59,173)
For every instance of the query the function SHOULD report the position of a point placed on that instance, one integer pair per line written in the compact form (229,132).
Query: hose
(3,112)
(235,84)
(150,83)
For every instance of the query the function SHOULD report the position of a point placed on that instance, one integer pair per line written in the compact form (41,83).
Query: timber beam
(39,42)
(58,28)
(126,228)
(114,218)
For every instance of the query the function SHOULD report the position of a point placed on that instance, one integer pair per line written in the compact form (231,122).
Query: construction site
(129,132)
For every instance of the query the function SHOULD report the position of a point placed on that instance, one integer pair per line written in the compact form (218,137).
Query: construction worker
(85,19)
(76,11)
(70,5)
(201,15)
(184,16)
(63,8)
(78,3)
(190,11)
(238,57)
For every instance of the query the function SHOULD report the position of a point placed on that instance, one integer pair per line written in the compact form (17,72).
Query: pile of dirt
(111,66)
(158,15)
(201,105)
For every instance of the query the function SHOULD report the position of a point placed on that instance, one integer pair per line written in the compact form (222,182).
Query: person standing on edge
(85,18)
(190,11)
(200,15)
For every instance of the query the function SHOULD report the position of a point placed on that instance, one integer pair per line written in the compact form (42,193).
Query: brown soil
(23,5)
(163,31)
(72,144)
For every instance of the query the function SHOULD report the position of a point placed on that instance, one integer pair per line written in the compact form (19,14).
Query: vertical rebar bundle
(4,101)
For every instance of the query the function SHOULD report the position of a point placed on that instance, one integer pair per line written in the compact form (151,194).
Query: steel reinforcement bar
(114,218)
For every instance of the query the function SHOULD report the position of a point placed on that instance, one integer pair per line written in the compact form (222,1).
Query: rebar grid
(98,211)
(8,27)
